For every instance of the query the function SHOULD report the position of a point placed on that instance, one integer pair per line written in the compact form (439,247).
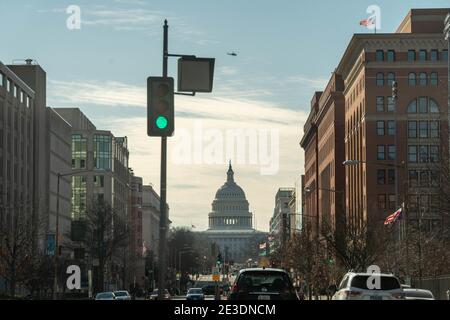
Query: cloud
(228,71)
(192,186)
(317,83)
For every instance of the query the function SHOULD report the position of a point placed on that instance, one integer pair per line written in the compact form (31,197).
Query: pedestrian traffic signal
(160,107)
(394,90)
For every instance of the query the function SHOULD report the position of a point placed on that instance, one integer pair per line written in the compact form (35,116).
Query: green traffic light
(161,122)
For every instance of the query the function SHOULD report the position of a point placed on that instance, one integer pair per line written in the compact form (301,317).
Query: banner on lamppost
(51,244)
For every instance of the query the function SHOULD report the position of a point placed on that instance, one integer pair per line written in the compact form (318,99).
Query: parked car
(418,294)
(122,295)
(154,295)
(262,284)
(355,286)
(105,296)
(195,294)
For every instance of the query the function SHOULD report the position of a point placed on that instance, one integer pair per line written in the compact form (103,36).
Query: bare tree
(15,248)
(105,234)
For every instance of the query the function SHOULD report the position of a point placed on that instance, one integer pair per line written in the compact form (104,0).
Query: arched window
(390,78)
(412,81)
(380,79)
(423,79)
(433,107)
(423,105)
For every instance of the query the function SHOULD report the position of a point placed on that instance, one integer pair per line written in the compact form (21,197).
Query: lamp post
(56,253)
(447,37)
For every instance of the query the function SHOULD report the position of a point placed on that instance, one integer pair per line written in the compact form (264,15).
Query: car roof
(262,269)
(370,274)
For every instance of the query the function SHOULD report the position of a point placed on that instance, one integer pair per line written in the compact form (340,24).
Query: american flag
(368,22)
(397,215)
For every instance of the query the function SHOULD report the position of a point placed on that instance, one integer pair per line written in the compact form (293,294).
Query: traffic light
(219,259)
(160,107)
(394,90)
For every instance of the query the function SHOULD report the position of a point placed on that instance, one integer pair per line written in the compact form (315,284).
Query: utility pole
(163,187)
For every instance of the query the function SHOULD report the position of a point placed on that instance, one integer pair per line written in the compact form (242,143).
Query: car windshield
(264,281)
(387,283)
(195,291)
(121,293)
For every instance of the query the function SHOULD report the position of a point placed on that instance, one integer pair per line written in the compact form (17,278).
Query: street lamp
(56,253)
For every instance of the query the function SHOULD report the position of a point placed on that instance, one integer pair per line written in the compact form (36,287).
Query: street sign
(216,277)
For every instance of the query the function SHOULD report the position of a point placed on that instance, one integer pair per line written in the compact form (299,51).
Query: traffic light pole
(163,189)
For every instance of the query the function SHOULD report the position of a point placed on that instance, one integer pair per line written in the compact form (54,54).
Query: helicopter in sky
(234,54)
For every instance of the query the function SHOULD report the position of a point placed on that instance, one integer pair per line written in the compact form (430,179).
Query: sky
(286,50)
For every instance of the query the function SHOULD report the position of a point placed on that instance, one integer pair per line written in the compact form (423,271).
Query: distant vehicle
(354,287)
(105,296)
(262,284)
(418,294)
(122,295)
(195,294)
(210,289)
(154,295)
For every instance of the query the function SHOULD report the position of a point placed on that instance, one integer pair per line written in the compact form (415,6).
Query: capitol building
(231,223)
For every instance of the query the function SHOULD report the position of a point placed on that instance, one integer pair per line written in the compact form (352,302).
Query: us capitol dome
(231,223)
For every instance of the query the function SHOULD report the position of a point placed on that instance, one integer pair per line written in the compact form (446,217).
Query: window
(99,181)
(423,79)
(423,105)
(380,128)
(433,107)
(445,55)
(412,81)
(390,104)
(102,152)
(379,56)
(15,91)
(434,79)
(392,201)
(412,154)
(411,55)
(391,152)
(434,55)
(391,128)
(412,129)
(423,154)
(434,178)
(412,108)
(79,152)
(380,104)
(2,79)
(380,79)
(390,78)
(434,153)
(381,152)
(423,55)
(424,178)
(434,129)
(391,176)
(8,85)
(382,201)
(381,176)
(413,178)
(423,129)
(391,56)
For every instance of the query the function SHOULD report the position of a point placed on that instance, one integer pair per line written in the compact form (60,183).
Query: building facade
(400,141)
(397,144)
(323,142)
(283,219)
(231,223)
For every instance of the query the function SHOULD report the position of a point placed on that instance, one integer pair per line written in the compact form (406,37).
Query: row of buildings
(394,148)
(42,147)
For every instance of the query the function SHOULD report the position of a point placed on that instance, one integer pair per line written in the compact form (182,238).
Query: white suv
(355,286)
